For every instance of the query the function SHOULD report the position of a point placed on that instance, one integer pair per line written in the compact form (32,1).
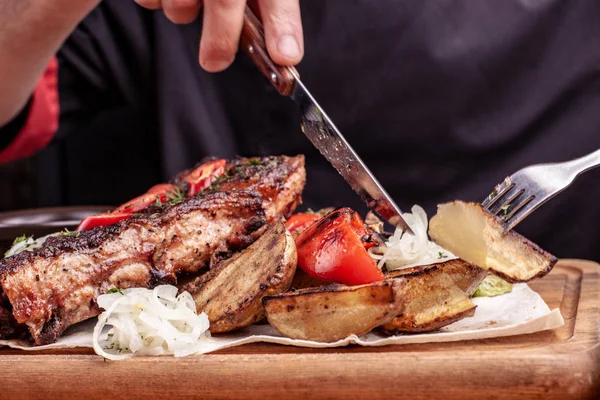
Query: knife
(317,126)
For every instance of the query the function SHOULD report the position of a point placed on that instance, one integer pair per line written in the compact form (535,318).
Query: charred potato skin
(512,279)
(406,325)
(517,237)
(465,275)
(436,295)
(332,313)
(231,293)
(452,281)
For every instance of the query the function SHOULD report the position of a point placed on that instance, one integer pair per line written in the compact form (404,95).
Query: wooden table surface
(559,364)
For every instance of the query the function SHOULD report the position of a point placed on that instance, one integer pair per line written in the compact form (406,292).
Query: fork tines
(503,200)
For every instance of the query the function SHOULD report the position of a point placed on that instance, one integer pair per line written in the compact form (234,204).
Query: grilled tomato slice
(335,249)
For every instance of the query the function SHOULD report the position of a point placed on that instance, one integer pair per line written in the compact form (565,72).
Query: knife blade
(318,127)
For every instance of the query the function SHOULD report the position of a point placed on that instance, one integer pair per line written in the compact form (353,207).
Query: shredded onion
(28,244)
(148,322)
(406,250)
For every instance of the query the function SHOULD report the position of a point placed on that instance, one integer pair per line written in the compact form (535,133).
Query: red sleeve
(42,121)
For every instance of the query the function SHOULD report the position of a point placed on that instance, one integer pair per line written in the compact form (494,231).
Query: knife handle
(253,43)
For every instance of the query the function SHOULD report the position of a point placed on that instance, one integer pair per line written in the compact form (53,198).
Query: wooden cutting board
(560,364)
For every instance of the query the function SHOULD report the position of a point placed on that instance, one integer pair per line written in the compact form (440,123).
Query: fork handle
(580,165)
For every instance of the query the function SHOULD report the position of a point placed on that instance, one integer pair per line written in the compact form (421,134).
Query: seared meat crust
(53,287)
(280,180)
(9,328)
(57,285)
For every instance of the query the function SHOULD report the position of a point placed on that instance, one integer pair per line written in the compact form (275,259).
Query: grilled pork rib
(56,286)
(279,179)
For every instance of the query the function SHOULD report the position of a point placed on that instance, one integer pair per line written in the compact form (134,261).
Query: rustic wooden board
(560,364)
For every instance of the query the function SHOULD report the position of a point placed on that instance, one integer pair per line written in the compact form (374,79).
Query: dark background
(494,86)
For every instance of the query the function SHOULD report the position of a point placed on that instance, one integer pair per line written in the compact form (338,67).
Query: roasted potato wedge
(230,294)
(476,236)
(331,313)
(433,299)
(465,276)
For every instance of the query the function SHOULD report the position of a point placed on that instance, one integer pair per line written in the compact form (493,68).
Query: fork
(524,191)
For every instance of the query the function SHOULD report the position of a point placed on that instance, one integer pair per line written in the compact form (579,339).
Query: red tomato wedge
(299,222)
(157,192)
(335,249)
(142,202)
(105,219)
(202,177)
(162,188)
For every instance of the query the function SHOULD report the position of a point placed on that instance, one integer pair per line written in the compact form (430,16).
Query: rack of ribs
(51,288)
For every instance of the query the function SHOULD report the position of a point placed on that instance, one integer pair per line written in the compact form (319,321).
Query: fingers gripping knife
(317,126)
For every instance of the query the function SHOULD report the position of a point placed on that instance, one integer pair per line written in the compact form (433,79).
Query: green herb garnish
(175,196)
(69,233)
(20,239)
(114,290)
(441,255)
(505,208)
(214,184)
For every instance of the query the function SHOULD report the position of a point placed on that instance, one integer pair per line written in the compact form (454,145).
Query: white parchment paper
(520,312)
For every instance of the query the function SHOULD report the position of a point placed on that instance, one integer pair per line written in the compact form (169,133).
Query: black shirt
(442,99)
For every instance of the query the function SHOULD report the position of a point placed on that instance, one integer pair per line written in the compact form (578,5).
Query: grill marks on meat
(279,179)
(57,285)
(227,223)
(53,287)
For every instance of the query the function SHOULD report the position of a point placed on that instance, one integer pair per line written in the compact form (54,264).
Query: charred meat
(56,286)
(280,180)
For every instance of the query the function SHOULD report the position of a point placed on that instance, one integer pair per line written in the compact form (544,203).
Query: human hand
(222,26)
